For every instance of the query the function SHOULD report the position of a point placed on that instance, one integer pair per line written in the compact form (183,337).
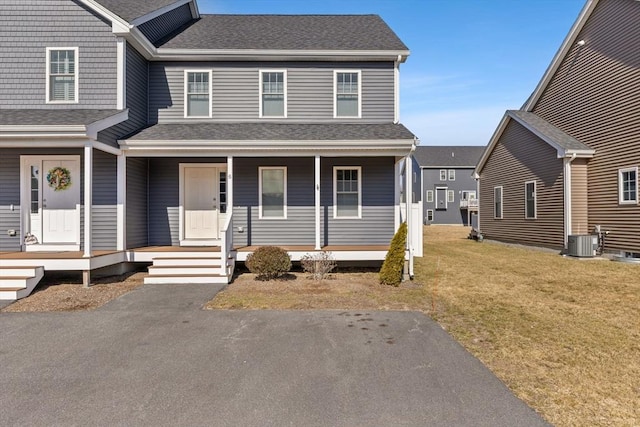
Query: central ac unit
(582,245)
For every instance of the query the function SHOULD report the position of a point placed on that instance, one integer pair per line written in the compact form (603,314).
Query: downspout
(567,197)
(396,90)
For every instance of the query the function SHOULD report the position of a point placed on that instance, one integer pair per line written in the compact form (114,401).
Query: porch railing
(226,244)
(469,204)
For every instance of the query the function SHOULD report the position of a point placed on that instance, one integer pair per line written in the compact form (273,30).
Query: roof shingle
(548,130)
(132,9)
(286,32)
(53,117)
(272,132)
(449,156)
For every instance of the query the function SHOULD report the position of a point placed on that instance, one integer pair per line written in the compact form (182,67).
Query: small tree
(268,262)
(319,265)
(391,271)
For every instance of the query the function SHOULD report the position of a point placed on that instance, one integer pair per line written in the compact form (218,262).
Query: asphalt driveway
(153,357)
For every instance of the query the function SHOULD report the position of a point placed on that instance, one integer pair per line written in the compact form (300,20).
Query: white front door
(51,201)
(201,202)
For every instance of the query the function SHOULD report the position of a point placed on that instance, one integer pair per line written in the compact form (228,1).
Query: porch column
(396,197)
(121,239)
(88,194)
(230,184)
(317,192)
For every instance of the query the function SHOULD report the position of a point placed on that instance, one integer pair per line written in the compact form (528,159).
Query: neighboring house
(448,186)
(144,131)
(567,162)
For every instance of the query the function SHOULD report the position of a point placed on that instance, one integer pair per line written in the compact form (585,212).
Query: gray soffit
(547,131)
(53,117)
(286,32)
(272,132)
(132,9)
(448,156)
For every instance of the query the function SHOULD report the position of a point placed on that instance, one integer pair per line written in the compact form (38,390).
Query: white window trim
(186,85)
(430,212)
(451,196)
(620,193)
(76,76)
(284,89)
(335,191)
(535,200)
(429,196)
(284,210)
(451,173)
(501,202)
(335,94)
(443,172)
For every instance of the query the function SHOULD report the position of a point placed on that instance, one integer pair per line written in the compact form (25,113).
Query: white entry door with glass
(50,189)
(203,203)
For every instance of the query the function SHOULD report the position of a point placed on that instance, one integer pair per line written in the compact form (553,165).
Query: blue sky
(470,59)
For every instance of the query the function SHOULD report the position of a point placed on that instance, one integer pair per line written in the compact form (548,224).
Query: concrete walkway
(153,357)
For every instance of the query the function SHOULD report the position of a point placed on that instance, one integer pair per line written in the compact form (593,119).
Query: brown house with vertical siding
(568,160)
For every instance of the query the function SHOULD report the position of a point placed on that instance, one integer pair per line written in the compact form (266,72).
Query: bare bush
(319,264)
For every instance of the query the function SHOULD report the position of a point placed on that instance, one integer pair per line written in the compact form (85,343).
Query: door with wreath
(60,200)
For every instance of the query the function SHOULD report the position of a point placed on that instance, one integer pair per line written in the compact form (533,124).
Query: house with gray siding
(148,132)
(566,164)
(449,193)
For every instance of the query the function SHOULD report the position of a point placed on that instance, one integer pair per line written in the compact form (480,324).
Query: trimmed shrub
(319,265)
(268,262)
(391,271)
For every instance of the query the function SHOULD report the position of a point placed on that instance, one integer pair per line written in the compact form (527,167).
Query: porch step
(188,262)
(18,282)
(204,268)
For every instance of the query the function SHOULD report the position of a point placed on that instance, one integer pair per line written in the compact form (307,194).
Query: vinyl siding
(164,198)
(236,96)
(104,212)
(579,198)
(595,97)
(137,203)
(452,214)
(519,157)
(136,99)
(299,226)
(28,28)
(165,24)
(376,227)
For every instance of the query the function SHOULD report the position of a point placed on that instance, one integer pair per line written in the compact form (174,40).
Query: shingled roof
(448,156)
(53,117)
(272,132)
(547,131)
(132,9)
(286,32)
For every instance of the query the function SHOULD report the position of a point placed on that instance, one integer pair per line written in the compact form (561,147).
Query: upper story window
(347,102)
(628,185)
(62,75)
(347,196)
(443,174)
(197,94)
(273,94)
(452,174)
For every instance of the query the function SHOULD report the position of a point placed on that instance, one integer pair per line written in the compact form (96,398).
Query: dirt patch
(353,289)
(64,292)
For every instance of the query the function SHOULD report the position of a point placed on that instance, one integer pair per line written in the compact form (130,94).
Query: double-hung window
(273,94)
(497,202)
(62,75)
(628,185)
(530,199)
(347,196)
(443,174)
(429,215)
(347,94)
(197,94)
(452,174)
(273,192)
(451,196)
(429,196)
